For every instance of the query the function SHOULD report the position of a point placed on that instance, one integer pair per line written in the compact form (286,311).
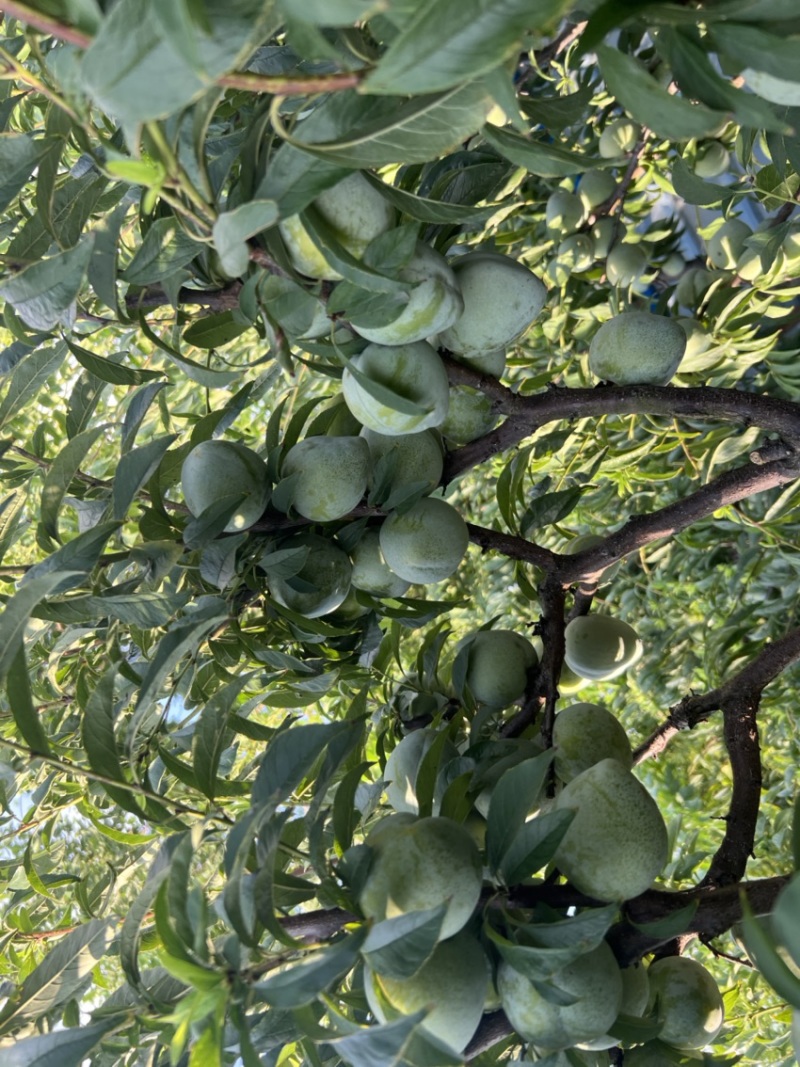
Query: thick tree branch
(214,299)
(738,484)
(512,546)
(741,740)
(747,683)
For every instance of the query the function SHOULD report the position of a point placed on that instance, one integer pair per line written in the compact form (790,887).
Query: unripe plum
(625,264)
(217,469)
(619,136)
(592,979)
(355,211)
(330,475)
(635,993)
(501,299)
(321,584)
(434,303)
(584,734)
(726,245)
(637,348)
(600,647)
(420,864)
(498,662)
(603,234)
(469,416)
(712,159)
(564,212)
(371,571)
(452,983)
(687,1000)
(414,373)
(595,187)
(402,767)
(617,842)
(426,542)
(414,457)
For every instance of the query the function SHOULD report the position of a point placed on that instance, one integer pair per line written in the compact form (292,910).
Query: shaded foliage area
(188,767)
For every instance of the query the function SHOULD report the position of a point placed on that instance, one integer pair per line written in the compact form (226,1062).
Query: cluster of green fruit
(401,408)
(613,849)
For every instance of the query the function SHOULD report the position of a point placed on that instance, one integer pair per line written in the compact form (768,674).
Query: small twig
(298,85)
(617,198)
(12,9)
(68,767)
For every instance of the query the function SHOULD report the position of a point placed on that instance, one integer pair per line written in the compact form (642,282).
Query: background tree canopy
(192,753)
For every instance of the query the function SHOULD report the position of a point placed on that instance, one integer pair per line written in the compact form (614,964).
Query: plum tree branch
(728,488)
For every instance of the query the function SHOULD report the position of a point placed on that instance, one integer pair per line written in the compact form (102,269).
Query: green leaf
(289,758)
(534,845)
(425,209)
(232,230)
(796,833)
(384,394)
(696,190)
(514,797)
(763,951)
(58,478)
(674,924)
(695,75)
(74,559)
(538,156)
(446,38)
(44,294)
(108,370)
(145,610)
(28,378)
(64,972)
(20,700)
(137,71)
(642,96)
(62,1048)
(398,947)
(752,46)
(19,156)
(538,963)
(370,131)
(186,636)
(354,270)
(784,918)
(380,1046)
(301,983)
(214,331)
(212,733)
(327,12)
(134,469)
(550,508)
(15,615)
(165,249)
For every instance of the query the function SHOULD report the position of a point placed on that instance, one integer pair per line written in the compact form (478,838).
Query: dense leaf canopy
(193,751)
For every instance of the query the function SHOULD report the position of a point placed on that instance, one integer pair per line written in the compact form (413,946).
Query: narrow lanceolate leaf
(28,378)
(44,294)
(513,798)
(784,918)
(186,636)
(674,924)
(398,947)
(60,976)
(290,757)
(75,558)
(302,982)
(134,469)
(165,249)
(763,951)
(62,1048)
(15,615)
(447,39)
(233,229)
(212,732)
(425,209)
(137,68)
(107,370)
(374,130)
(534,845)
(20,700)
(19,154)
(539,157)
(643,97)
(57,480)
(380,1046)
(100,742)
